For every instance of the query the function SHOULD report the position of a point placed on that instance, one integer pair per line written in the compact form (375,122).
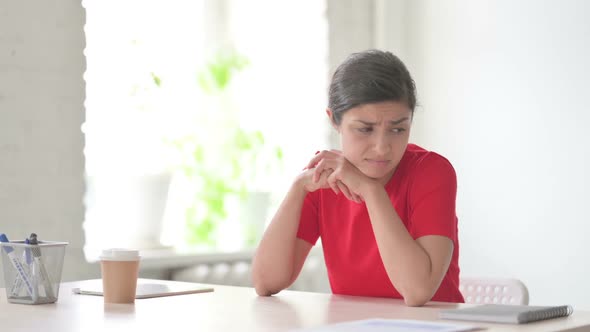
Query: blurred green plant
(217,74)
(220,158)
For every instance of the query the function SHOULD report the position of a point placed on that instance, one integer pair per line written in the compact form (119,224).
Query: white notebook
(504,313)
(149,288)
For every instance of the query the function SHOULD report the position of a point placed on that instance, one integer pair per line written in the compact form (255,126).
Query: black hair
(368,77)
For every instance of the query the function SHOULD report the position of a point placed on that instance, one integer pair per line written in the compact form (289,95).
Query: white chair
(494,290)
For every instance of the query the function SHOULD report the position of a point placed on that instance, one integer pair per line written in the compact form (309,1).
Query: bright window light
(180,93)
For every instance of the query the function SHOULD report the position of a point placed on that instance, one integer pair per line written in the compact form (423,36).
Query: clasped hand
(330,169)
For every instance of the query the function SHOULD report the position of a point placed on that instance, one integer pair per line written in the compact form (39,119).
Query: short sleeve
(433,198)
(309,229)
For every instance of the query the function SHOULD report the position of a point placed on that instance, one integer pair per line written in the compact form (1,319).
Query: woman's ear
(331,117)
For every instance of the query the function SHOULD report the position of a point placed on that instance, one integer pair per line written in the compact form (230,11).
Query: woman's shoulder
(420,160)
(428,171)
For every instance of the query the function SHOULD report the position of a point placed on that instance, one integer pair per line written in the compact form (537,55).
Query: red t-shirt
(422,190)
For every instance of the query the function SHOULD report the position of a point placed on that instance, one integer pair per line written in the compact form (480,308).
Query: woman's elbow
(417,297)
(415,301)
(262,291)
(261,286)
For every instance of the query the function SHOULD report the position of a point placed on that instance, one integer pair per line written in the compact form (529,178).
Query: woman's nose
(382,145)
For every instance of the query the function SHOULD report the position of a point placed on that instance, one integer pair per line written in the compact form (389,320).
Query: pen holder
(32,273)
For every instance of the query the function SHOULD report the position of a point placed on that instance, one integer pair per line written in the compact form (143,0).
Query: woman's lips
(378,162)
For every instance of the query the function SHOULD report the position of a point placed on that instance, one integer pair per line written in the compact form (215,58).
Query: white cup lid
(117,254)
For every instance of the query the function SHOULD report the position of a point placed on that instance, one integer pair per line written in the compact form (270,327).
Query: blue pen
(17,264)
(18,281)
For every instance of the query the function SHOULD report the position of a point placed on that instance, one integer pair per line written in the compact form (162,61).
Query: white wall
(41,111)
(504,89)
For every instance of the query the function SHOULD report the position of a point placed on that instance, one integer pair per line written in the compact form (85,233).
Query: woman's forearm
(273,263)
(406,262)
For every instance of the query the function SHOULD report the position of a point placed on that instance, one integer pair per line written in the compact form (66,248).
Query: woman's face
(375,136)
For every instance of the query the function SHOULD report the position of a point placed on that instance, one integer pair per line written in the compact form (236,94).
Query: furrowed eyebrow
(396,122)
(393,122)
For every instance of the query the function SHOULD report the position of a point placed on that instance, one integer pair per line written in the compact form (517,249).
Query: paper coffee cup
(119,269)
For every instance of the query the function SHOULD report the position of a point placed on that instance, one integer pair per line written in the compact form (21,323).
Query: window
(148,66)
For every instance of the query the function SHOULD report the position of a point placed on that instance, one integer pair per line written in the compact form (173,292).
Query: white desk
(230,309)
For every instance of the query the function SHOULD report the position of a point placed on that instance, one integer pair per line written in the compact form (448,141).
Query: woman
(384,209)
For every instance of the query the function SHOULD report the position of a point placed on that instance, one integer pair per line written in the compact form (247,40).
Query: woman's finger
(308,164)
(319,156)
(344,189)
(317,172)
(324,165)
(332,183)
(357,197)
(324,176)
(313,162)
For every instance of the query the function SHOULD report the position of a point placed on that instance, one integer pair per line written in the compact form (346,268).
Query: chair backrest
(494,290)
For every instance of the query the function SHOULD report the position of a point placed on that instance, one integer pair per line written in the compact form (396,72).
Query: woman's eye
(365,130)
(398,130)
